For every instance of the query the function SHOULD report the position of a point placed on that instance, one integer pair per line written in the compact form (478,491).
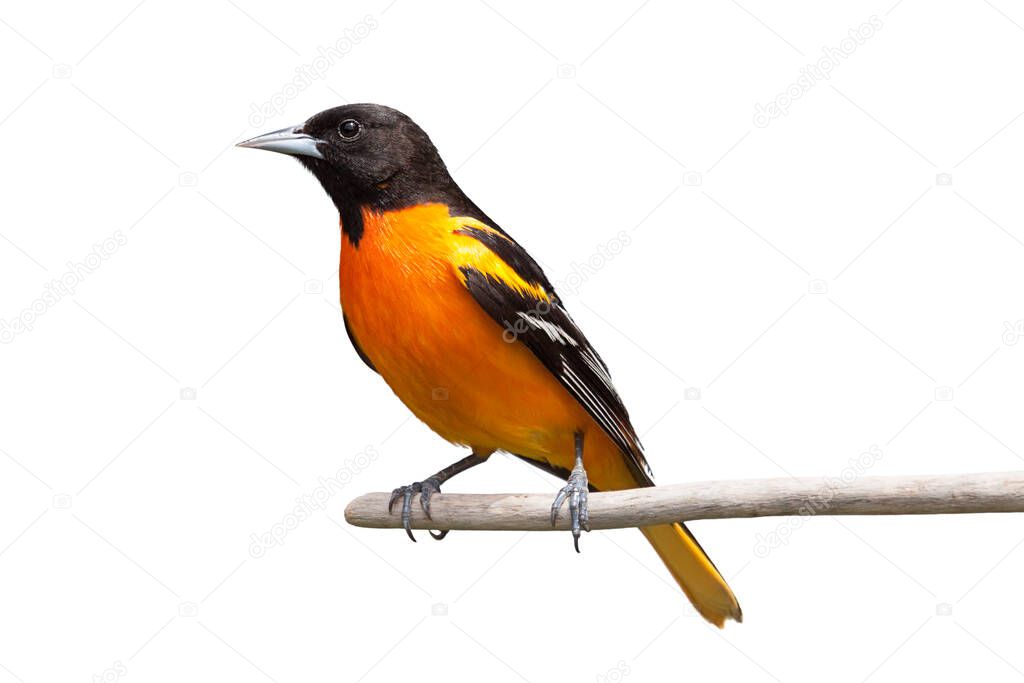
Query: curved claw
(407,512)
(584,511)
(404,493)
(426,488)
(555,506)
(575,491)
(395,495)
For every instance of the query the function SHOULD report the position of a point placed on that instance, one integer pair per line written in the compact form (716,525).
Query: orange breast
(441,353)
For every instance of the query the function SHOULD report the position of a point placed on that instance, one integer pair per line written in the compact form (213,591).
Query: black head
(366,156)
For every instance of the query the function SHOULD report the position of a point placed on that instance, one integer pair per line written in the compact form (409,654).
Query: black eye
(349,128)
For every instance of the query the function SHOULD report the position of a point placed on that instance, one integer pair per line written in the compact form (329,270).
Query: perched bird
(468,332)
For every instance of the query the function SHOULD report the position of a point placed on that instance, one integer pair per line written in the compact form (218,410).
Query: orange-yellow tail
(694,572)
(689,565)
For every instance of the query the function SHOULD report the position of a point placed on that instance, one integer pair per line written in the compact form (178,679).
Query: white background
(810,281)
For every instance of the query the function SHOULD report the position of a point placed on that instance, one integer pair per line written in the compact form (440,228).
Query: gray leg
(575,491)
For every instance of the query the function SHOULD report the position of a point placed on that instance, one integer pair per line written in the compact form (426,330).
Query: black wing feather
(550,333)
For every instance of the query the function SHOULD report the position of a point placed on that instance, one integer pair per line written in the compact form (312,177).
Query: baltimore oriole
(444,304)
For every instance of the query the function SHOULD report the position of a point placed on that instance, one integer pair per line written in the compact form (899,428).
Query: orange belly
(446,358)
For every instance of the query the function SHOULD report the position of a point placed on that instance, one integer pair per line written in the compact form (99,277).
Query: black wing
(550,333)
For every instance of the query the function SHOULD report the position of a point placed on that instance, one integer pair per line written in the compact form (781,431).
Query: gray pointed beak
(290,140)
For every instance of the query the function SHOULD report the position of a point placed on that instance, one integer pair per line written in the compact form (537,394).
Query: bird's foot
(426,488)
(575,491)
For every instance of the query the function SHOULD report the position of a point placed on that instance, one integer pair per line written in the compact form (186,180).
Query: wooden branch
(904,495)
